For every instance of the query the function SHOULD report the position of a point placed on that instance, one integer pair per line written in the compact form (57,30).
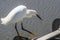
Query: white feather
(15,15)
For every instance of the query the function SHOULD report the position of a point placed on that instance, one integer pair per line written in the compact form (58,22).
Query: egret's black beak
(39,17)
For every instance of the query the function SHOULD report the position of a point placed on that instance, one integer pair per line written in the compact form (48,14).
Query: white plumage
(17,14)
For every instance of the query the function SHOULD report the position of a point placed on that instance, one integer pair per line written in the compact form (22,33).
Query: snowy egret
(18,14)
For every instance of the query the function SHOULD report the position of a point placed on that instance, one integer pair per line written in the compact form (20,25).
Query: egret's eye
(39,17)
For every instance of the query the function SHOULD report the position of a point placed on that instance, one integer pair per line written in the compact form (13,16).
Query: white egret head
(31,13)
